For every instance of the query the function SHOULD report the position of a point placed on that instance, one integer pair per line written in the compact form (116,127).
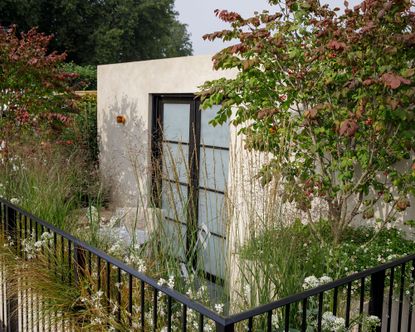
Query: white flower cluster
(10,242)
(115,248)
(134,259)
(31,247)
(14,163)
(2,190)
(275,321)
(332,323)
(313,281)
(219,308)
(370,322)
(169,283)
(15,201)
(94,301)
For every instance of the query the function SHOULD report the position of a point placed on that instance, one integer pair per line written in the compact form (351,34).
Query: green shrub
(86,76)
(83,131)
(279,259)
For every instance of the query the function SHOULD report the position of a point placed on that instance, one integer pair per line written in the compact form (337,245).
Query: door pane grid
(191,198)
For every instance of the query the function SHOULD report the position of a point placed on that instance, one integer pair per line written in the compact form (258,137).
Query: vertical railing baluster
(55,247)
(320,311)
(62,320)
(401,293)
(362,300)
(269,321)
(287,318)
(36,231)
(201,323)
(377,287)
(89,263)
(225,328)
(411,295)
(130,299)
(169,313)
(108,285)
(70,261)
(304,316)
(98,273)
(26,236)
(335,298)
(3,316)
(11,299)
(19,240)
(348,302)
(250,324)
(62,255)
(155,304)
(184,318)
(79,264)
(119,288)
(142,304)
(36,296)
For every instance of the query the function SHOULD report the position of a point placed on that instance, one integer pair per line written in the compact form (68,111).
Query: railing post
(225,328)
(80,263)
(11,299)
(377,288)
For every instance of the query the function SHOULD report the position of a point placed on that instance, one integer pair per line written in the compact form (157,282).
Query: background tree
(108,31)
(34,93)
(331,96)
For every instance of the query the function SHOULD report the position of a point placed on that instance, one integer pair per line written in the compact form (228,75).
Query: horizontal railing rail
(385,291)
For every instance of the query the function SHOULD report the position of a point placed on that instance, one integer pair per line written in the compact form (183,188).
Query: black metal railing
(385,291)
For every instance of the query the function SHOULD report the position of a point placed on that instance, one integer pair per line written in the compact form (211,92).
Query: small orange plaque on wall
(121,119)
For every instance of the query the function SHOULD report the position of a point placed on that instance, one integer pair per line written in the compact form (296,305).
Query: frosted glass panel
(214,256)
(176,233)
(176,122)
(174,201)
(213,169)
(175,162)
(212,211)
(216,136)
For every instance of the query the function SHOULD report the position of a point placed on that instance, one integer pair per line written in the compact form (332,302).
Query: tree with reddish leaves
(34,94)
(331,95)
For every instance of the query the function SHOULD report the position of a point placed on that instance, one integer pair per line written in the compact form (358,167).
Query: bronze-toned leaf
(348,128)
(393,81)
(311,113)
(336,45)
(266,113)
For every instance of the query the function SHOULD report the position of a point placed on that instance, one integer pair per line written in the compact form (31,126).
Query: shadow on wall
(124,151)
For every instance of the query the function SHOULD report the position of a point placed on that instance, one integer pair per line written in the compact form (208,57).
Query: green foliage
(95,32)
(282,258)
(331,95)
(51,181)
(83,130)
(86,78)
(53,284)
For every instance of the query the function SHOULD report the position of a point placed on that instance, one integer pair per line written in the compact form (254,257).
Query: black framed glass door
(190,171)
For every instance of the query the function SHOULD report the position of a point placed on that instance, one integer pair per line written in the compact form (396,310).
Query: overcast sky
(199,16)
